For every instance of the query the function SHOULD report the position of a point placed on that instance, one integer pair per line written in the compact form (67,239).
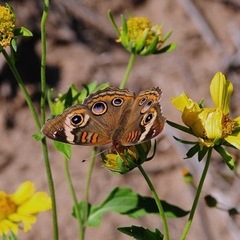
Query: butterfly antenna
(95,155)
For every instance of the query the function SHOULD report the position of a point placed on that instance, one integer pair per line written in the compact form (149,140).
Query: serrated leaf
(64,148)
(127,202)
(141,233)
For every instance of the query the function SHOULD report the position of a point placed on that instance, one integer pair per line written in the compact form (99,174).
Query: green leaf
(202,152)
(227,157)
(72,97)
(192,151)
(13,236)
(167,48)
(179,127)
(22,31)
(81,207)
(120,200)
(110,16)
(127,202)
(141,233)
(38,136)
(13,47)
(64,148)
(147,205)
(167,36)
(184,141)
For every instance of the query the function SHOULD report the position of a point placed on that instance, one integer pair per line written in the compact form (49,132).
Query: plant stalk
(196,199)
(158,202)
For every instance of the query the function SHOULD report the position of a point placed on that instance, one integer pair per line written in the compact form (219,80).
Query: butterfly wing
(76,126)
(145,120)
(93,122)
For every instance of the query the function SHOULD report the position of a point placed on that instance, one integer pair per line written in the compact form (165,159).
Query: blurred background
(81,48)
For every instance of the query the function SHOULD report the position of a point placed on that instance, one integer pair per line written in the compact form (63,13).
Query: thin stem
(42,106)
(158,202)
(51,188)
(22,87)
(128,70)
(74,197)
(43,59)
(88,182)
(195,202)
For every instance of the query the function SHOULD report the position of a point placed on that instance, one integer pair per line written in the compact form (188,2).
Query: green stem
(43,60)
(87,186)
(51,188)
(74,197)
(158,202)
(22,87)
(195,202)
(43,110)
(128,70)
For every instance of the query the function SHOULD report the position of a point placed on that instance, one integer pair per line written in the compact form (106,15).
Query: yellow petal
(237,121)
(221,90)
(39,202)
(212,122)
(234,139)
(27,220)
(6,226)
(181,102)
(190,118)
(23,193)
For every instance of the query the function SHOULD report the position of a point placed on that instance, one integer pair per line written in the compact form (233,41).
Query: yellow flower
(212,126)
(7,25)
(20,208)
(140,36)
(127,158)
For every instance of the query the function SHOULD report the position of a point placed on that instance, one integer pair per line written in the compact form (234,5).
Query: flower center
(7,206)
(227,126)
(138,26)
(7,24)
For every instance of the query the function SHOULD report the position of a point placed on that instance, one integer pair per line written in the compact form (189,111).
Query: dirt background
(81,49)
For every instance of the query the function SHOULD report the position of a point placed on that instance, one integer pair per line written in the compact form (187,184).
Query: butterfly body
(112,115)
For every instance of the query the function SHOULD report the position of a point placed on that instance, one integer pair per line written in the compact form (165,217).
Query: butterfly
(113,115)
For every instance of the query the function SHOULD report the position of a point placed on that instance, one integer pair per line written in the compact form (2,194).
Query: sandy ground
(81,51)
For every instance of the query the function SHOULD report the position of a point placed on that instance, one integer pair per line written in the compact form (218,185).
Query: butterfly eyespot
(147,106)
(142,101)
(148,118)
(117,102)
(99,108)
(77,119)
